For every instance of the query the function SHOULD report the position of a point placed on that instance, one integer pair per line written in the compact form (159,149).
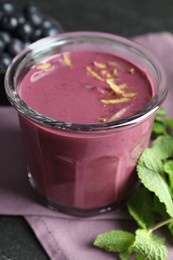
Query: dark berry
(2,44)
(25,31)
(1,14)
(15,46)
(36,19)
(20,18)
(7,7)
(5,60)
(47,24)
(52,31)
(30,8)
(37,34)
(5,36)
(8,23)
(26,43)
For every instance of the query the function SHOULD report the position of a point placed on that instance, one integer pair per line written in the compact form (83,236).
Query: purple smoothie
(86,88)
(85,170)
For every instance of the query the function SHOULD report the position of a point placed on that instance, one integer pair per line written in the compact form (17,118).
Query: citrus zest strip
(114,101)
(100,65)
(67,59)
(93,73)
(115,88)
(129,95)
(119,113)
(44,66)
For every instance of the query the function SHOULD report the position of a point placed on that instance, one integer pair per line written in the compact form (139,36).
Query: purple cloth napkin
(65,237)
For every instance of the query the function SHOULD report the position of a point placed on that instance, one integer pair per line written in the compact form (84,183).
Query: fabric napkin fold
(65,237)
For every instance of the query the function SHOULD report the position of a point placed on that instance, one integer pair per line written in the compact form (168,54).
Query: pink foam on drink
(85,170)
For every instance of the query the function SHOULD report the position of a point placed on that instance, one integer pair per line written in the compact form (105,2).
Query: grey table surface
(123,17)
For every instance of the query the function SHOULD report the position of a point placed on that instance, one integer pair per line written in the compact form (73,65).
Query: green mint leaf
(170,227)
(125,255)
(160,208)
(139,257)
(140,207)
(159,125)
(115,241)
(150,172)
(168,168)
(159,128)
(169,122)
(149,246)
(162,147)
(162,125)
(161,113)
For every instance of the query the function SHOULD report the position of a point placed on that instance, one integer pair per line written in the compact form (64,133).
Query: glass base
(71,210)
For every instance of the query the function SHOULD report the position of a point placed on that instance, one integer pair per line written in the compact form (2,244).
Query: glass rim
(137,117)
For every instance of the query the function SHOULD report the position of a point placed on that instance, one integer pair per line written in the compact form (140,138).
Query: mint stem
(160,224)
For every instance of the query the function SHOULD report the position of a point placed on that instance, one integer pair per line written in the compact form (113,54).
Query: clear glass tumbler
(84,169)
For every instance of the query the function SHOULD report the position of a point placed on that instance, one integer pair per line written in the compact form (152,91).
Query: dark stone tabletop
(123,17)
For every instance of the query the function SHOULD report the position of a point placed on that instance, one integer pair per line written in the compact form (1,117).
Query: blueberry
(47,24)
(26,43)
(15,46)
(2,44)
(37,34)
(25,31)
(35,18)
(5,60)
(1,14)
(20,18)
(30,8)
(7,7)
(52,31)
(8,23)
(5,36)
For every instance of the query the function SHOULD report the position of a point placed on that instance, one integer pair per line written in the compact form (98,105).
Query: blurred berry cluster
(20,27)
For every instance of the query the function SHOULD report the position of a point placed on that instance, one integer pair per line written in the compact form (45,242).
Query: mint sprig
(149,246)
(152,201)
(143,213)
(115,241)
(162,125)
(150,171)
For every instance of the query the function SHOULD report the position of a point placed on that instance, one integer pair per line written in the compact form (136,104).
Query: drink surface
(86,87)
